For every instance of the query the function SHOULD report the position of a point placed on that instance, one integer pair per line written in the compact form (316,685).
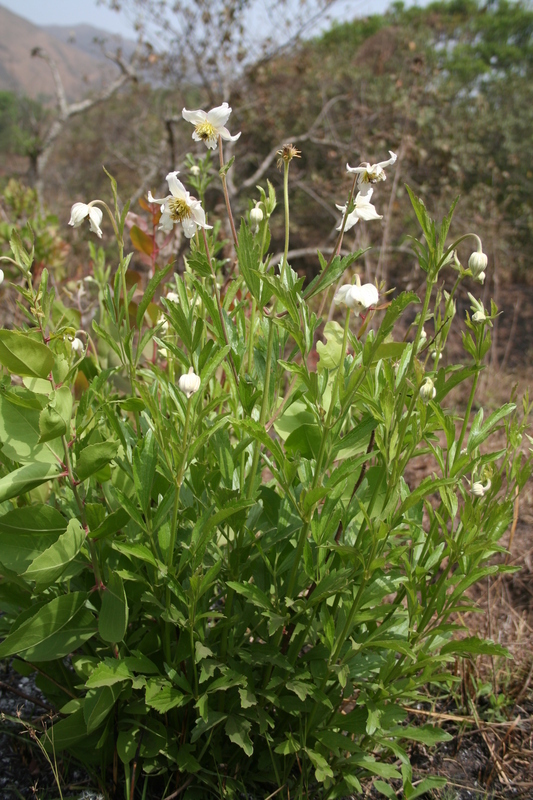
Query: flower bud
(195,170)
(256,216)
(427,391)
(164,327)
(478,489)
(477,263)
(77,346)
(1,275)
(189,383)
(479,316)
(172,297)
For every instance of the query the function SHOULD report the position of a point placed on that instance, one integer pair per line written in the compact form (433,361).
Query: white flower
(210,125)
(179,206)
(427,391)
(77,346)
(477,264)
(189,383)
(1,275)
(478,489)
(172,297)
(357,297)
(363,209)
(79,211)
(371,173)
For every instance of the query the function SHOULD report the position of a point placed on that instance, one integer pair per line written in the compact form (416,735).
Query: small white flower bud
(172,297)
(195,170)
(436,356)
(164,327)
(1,275)
(189,383)
(479,316)
(77,346)
(477,263)
(427,391)
(478,489)
(256,216)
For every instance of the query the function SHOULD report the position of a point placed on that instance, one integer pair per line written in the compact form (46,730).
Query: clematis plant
(241,591)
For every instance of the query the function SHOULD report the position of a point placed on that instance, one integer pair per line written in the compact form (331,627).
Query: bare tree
(206,41)
(40,154)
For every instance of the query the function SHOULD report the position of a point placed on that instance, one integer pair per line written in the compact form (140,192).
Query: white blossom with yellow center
(209,125)
(371,173)
(180,206)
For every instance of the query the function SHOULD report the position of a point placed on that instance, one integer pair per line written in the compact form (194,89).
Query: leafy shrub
(213,558)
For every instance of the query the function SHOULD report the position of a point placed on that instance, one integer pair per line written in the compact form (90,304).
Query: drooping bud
(477,264)
(189,383)
(427,391)
(256,215)
(479,490)
(77,346)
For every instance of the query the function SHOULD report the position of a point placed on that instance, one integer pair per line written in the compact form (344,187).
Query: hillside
(19,72)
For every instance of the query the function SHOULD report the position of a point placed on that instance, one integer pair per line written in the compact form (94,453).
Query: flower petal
(219,116)
(95,218)
(78,212)
(176,187)
(159,200)
(189,227)
(391,160)
(195,117)
(356,169)
(227,135)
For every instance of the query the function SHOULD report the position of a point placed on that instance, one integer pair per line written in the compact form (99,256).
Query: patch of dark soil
(24,770)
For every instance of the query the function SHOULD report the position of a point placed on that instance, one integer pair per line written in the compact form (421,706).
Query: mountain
(81,70)
(87,38)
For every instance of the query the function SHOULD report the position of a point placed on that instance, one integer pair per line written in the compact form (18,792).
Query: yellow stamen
(206,131)
(178,209)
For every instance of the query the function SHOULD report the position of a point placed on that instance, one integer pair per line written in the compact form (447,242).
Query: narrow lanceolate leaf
(26,478)
(25,356)
(51,563)
(51,629)
(94,457)
(113,618)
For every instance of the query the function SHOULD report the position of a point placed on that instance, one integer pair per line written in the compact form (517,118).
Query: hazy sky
(73,12)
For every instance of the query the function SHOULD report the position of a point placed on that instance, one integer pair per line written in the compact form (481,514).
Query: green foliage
(222,540)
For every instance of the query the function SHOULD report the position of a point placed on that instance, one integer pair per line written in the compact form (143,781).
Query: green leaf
(113,617)
(150,290)
(238,729)
(144,462)
(20,433)
(26,532)
(54,419)
(111,524)
(474,646)
(25,356)
(98,703)
(26,478)
(56,630)
(305,440)
(427,734)
(50,564)
(94,457)
(164,697)
(331,352)
(249,260)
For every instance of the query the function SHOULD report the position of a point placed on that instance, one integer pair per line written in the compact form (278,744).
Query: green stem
(226,195)
(264,409)
(287,217)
